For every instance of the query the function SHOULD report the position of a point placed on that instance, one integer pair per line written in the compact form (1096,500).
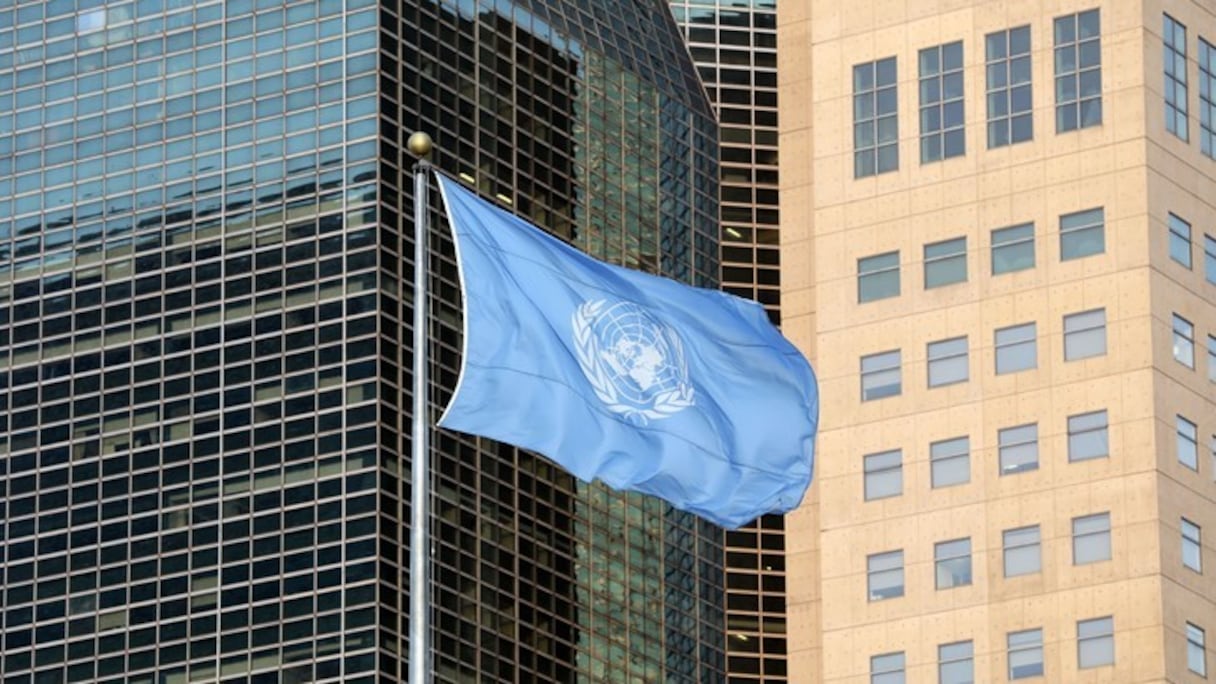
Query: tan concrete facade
(1137,173)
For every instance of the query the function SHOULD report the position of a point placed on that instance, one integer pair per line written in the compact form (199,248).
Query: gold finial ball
(419,144)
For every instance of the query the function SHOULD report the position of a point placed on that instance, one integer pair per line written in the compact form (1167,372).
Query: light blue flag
(642,382)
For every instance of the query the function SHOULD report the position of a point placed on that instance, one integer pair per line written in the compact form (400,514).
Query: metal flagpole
(420,492)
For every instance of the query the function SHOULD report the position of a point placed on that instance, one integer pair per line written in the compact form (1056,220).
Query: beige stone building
(999,247)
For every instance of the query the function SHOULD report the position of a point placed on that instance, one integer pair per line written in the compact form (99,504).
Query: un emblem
(634,363)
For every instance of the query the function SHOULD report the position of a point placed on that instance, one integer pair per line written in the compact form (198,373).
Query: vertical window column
(1008,94)
(941,102)
(1078,56)
(1173,35)
(875,118)
(1207,98)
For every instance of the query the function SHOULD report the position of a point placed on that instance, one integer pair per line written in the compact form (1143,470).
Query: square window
(1015,349)
(948,361)
(1025,653)
(1091,539)
(1019,448)
(1192,546)
(887,668)
(884,475)
(952,562)
(950,462)
(1082,234)
(1173,36)
(1021,551)
(1013,249)
(1187,442)
(1184,341)
(1078,71)
(881,375)
(878,277)
(875,118)
(1180,240)
(885,575)
(945,262)
(1085,335)
(1196,658)
(941,102)
(955,664)
(1096,642)
(1008,91)
(1088,436)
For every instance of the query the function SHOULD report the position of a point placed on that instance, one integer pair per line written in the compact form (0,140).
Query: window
(1013,248)
(880,375)
(1187,442)
(1021,551)
(945,262)
(1025,653)
(950,462)
(1085,335)
(941,102)
(884,475)
(1015,349)
(885,575)
(948,361)
(875,118)
(1192,546)
(878,277)
(1196,660)
(887,668)
(1091,539)
(1082,234)
(1087,436)
(1010,102)
(1078,71)
(1184,341)
(1209,259)
(1173,35)
(1019,448)
(1207,98)
(952,560)
(1211,359)
(1096,642)
(1180,241)
(954,663)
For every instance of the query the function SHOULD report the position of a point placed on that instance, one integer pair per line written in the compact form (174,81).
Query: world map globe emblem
(634,362)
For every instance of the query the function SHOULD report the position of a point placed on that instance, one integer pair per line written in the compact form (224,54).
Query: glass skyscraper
(205,258)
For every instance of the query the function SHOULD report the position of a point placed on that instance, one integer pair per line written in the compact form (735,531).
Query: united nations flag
(647,384)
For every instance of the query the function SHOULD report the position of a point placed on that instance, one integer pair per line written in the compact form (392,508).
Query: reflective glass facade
(734,46)
(205,316)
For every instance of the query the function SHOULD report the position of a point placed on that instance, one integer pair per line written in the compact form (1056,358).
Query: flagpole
(419,145)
